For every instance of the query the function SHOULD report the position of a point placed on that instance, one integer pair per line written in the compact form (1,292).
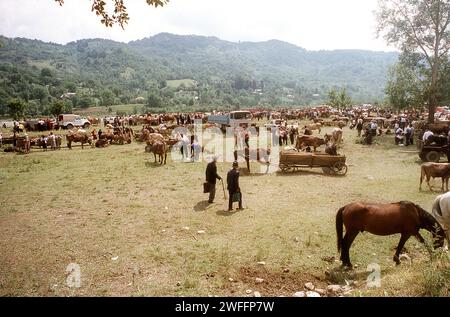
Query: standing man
(359,126)
(233,186)
(211,177)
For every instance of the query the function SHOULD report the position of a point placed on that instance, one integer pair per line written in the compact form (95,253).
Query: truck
(69,121)
(233,119)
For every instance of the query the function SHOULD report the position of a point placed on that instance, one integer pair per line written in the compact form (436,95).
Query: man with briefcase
(234,190)
(211,177)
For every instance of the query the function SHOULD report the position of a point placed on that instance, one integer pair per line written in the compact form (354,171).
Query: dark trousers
(230,200)
(407,139)
(212,192)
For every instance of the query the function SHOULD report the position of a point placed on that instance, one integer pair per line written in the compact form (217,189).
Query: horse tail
(339,228)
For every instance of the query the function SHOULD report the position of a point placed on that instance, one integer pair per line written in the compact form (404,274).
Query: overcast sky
(312,24)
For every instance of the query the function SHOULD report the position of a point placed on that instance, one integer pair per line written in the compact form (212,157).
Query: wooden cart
(292,160)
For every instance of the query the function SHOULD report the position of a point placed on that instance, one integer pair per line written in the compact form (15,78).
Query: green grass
(103,111)
(177,83)
(89,206)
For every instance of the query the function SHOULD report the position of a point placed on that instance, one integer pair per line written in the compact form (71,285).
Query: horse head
(429,223)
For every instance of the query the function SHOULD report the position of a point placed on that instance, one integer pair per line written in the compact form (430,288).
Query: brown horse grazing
(404,217)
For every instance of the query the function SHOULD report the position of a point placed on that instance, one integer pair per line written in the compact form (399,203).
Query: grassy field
(178,82)
(132,226)
(103,111)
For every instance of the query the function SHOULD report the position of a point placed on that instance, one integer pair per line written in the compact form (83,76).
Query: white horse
(441,212)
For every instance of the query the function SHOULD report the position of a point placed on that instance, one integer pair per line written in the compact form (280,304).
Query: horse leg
(155,156)
(400,246)
(419,237)
(349,237)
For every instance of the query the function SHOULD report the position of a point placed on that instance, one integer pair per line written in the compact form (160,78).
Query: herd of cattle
(157,128)
(162,132)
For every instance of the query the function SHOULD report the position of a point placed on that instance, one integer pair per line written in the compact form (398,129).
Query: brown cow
(78,136)
(307,140)
(159,148)
(433,170)
(315,126)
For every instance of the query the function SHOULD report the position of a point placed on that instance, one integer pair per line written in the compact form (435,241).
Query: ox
(78,136)
(433,170)
(315,126)
(307,140)
(160,148)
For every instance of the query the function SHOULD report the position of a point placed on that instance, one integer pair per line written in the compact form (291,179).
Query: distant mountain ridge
(207,60)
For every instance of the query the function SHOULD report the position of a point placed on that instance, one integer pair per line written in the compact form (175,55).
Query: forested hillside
(176,72)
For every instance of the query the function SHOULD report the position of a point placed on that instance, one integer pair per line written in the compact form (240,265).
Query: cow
(433,170)
(307,140)
(315,126)
(160,148)
(335,137)
(78,136)
(152,137)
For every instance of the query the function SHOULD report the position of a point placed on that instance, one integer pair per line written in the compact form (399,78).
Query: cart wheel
(432,156)
(340,168)
(284,168)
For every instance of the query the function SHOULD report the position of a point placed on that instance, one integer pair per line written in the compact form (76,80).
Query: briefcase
(206,187)
(236,197)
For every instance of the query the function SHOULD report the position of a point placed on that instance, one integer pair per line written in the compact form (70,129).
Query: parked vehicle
(233,119)
(69,121)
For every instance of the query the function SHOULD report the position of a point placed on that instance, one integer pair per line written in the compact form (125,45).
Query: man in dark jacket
(211,177)
(233,186)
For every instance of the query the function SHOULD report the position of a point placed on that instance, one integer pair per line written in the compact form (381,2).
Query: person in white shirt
(373,128)
(399,136)
(426,135)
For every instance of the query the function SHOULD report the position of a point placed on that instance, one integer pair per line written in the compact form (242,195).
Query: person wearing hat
(211,177)
(233,186)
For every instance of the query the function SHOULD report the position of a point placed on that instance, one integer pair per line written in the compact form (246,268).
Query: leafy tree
(404,88)
(17,108)
(57,108)
(46,72)
(420,27)
(84,102)
(339,99)
(153,101)
(107,98)
(39,92)
(120,15)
